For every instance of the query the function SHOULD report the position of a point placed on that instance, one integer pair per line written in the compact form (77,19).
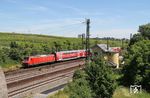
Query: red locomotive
(58,56)
(39,59)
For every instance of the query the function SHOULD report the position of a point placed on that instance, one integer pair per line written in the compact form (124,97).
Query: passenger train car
(58,56)
(66,55)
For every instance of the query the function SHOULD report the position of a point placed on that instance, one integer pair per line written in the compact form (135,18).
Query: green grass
(122,92)
(59,94)
(10,65)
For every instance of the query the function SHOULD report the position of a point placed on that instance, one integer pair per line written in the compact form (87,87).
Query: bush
(137,69)
(95,81)
(145,30)
(79,89)
(100,79)
(79,74)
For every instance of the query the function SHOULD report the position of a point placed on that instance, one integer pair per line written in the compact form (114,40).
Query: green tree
(57,46)
(27,52)
(46,49)
(136,38)
(35,51)
(13,45)
(1,56)
(145,30)
(78,74)
(137,59)
(144,33)
(53,50)
(79,89)
(4,56)
(68,43)
(15,51)
(15,54)
(137,67)
(74,46)
(100,79)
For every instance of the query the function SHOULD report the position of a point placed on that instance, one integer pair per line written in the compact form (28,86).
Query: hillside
(14,46)
(7,38)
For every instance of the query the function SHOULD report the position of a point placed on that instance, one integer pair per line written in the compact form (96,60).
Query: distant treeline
(111,38)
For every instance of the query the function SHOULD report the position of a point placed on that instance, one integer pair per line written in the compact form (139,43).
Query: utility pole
(107,44)
(130,36)
(87,38)
(122,43)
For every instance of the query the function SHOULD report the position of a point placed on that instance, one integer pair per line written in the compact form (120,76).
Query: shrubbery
(137,59)
(95,81)
(17,51)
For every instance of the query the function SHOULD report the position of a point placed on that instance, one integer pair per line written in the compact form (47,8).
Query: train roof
(57,52)
(40,55)
(71,51)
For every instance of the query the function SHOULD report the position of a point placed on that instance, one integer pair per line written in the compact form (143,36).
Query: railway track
(32,79)
(21,72)
(41,76)
(35,85)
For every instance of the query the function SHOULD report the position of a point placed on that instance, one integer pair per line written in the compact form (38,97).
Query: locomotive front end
(25,62)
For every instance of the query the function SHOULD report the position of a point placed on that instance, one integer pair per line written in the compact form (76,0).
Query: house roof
(103,47)
(110,49)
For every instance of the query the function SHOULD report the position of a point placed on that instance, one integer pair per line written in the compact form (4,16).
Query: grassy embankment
(120,92)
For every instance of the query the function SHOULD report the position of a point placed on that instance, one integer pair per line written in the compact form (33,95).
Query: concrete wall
(3,86)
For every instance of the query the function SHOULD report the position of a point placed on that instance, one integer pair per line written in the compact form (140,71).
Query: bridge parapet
(3,86)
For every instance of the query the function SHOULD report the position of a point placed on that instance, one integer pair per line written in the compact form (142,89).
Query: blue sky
(109,18)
